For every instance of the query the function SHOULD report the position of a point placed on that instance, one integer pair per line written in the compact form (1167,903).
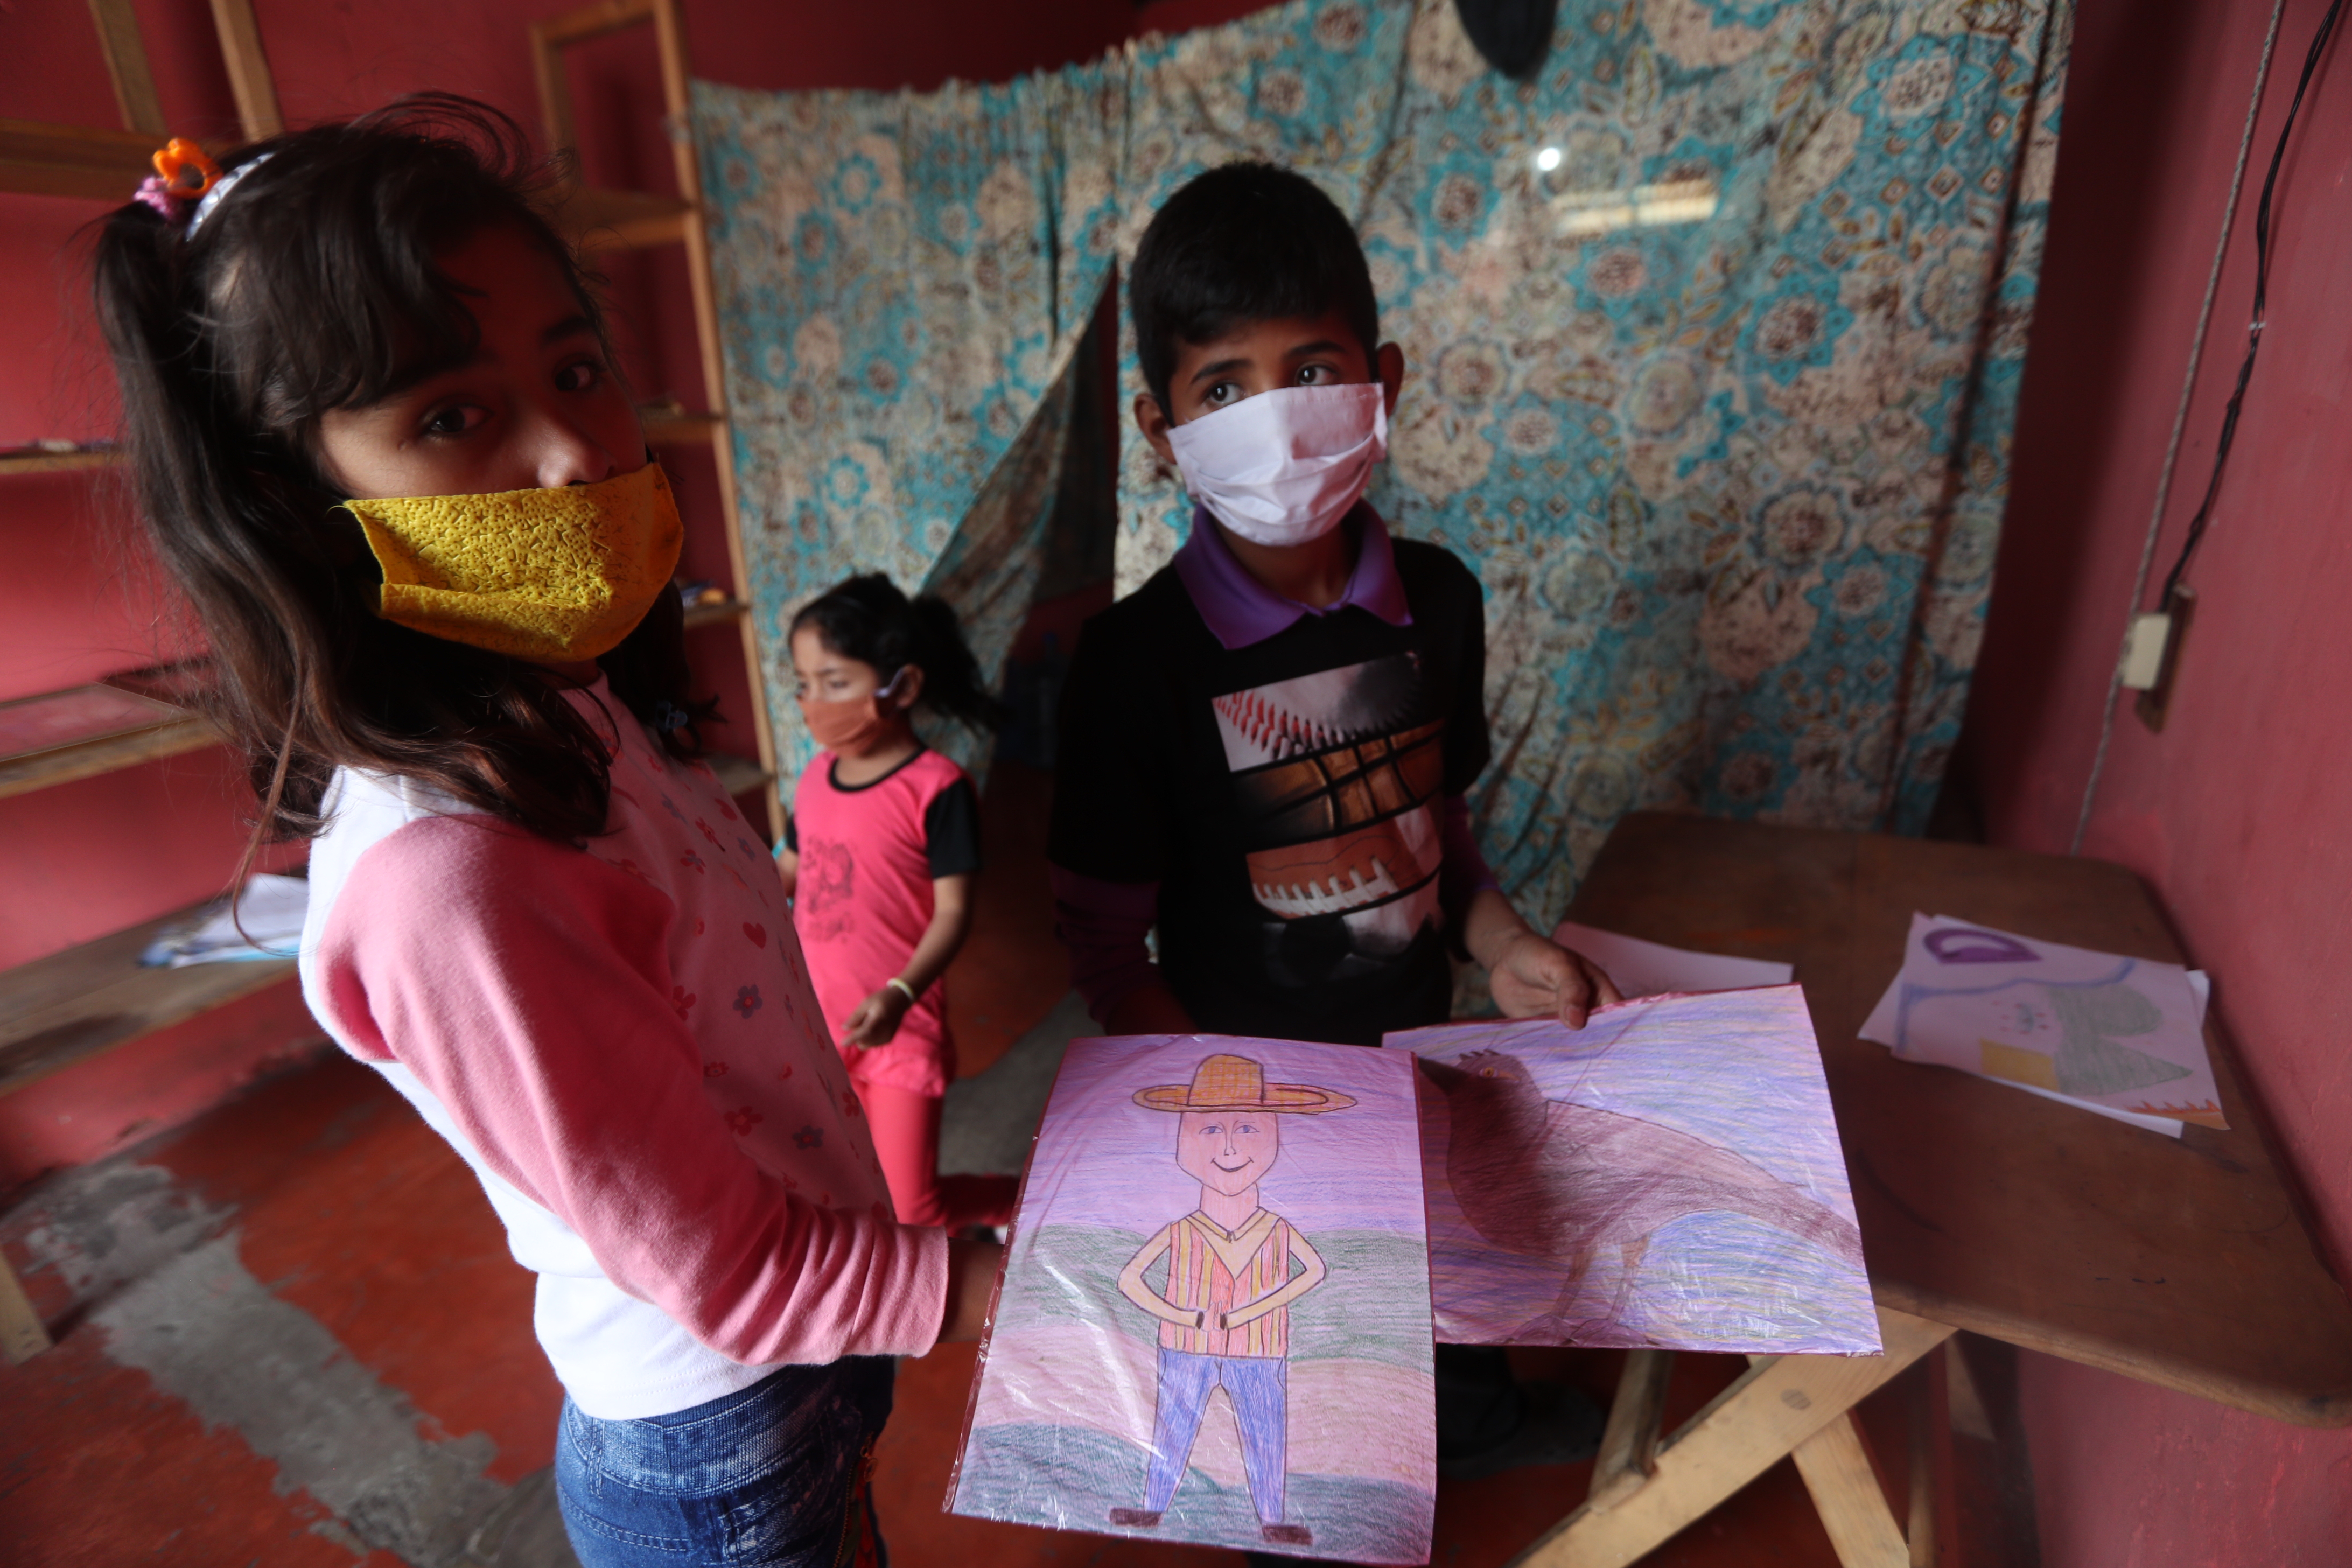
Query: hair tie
(669,716)
(183,175)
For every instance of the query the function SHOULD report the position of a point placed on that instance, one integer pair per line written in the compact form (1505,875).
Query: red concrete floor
(1010,970)
(377,1386)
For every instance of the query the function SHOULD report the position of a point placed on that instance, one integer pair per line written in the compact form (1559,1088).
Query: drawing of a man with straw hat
(1224,1312)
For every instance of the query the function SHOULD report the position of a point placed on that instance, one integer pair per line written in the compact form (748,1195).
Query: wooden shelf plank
(126,63)
(80,733)
(249,82)
(724,613)
(739,775)
(599,219)
(57,1010)
(110,753)
(73,160)
(591,21)
(37,462)
(676,426)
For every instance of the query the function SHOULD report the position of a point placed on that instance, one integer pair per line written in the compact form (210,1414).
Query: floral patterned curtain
(903,281)
(1713,331)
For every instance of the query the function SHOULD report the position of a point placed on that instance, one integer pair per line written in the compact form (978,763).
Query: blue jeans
(1259,1387)
(772,1475)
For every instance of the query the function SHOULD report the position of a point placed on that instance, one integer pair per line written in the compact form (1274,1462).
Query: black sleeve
(1110,822)
(951,830)
(1468,745)
(792,833)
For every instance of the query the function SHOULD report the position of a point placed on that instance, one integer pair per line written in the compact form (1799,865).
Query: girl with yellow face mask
(378,442)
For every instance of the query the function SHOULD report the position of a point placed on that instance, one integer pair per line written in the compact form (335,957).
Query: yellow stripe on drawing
(2019,1065)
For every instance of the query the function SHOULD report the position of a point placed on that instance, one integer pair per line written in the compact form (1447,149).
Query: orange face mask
(848,726)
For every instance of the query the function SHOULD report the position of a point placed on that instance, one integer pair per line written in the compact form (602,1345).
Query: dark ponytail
(867,618)
(311,287)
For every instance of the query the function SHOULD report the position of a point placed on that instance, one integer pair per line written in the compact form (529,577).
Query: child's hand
(876,1020)
(972,1267)
(1531,977)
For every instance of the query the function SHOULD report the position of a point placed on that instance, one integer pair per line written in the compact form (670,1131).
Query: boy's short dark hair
(1246,242)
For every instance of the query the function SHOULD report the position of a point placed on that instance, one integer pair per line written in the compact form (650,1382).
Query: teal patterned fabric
(1712,333)
(902,279)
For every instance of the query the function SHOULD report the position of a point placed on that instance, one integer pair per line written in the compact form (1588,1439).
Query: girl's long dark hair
(867,618)
(312,286)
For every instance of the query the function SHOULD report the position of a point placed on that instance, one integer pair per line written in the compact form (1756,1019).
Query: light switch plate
(2143,658)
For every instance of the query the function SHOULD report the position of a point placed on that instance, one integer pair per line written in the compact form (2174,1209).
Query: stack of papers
(2122,1036)
(270,911)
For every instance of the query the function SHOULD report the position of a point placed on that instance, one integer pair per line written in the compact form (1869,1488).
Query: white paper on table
(1652,969)
(2123,1036)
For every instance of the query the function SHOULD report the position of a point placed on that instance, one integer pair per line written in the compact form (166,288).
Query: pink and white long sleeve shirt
(621,1040)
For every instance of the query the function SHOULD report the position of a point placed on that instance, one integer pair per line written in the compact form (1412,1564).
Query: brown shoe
(1137,1517)
(1286,1534)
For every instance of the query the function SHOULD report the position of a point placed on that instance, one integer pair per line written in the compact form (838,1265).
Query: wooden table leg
(22,1337)
(1628,1444)
(1933,1519)
(1969,1417)
(1749,1427)
(1835,1463)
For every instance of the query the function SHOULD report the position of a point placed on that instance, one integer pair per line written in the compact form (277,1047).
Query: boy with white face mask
(1264,750)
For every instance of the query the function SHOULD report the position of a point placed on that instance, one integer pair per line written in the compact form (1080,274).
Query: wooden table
(2187,1263)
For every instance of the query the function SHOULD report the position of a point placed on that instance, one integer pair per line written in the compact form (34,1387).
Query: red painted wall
(76,601)
(2237,814)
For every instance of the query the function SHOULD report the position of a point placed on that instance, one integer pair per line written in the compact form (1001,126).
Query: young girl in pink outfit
(378,442)
(879,862)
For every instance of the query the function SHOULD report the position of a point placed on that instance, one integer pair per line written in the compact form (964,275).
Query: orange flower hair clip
(180,159)
(183,175)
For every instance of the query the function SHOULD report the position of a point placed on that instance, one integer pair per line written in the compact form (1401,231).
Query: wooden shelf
(37,462)
(73,160)
(604,219)
(57,1010)
(672,425)
(598,219)
(739,775)
(724,613)
(92,730)
(110,753)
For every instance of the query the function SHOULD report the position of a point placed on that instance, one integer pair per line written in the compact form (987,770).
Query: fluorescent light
(1667,202)
(1548,160)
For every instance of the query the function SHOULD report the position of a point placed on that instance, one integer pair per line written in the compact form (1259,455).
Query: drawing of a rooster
(1547,1178)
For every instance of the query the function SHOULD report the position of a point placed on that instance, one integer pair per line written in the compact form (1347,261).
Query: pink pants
(905,1128)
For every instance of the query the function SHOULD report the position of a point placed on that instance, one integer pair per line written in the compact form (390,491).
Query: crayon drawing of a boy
(1224,1305)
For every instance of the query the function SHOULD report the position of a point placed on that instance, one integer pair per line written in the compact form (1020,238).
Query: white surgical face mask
(1283,467)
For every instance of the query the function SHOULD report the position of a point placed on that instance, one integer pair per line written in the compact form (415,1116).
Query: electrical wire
(2179,422)
(2198,523)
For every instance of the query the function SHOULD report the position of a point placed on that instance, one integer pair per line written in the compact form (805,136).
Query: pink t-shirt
(867,856)
(619,1038)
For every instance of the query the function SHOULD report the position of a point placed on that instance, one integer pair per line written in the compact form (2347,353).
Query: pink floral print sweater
(621,1040)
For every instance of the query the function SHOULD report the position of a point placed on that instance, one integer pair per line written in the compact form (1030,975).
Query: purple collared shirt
(1240,610)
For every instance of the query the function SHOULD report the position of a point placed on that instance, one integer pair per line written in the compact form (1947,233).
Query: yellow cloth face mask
(552,575)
